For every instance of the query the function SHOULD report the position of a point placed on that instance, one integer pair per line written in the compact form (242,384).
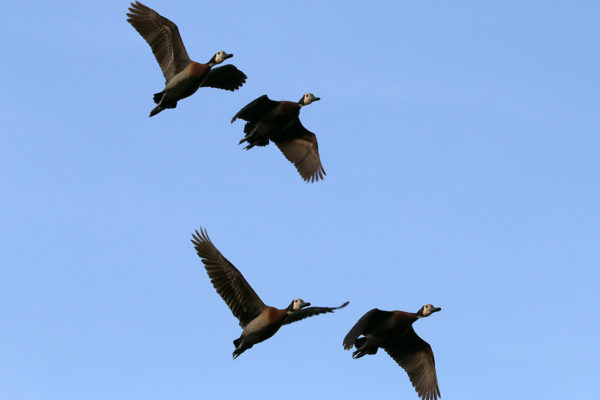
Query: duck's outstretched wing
(302,150)
(309,312)
(256,109)
(227,77)
(163,37)
(364,325)
(416,357)
(242,300)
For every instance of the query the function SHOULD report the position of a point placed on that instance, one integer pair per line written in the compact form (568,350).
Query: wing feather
(364,325)
(302,150)
(309,312)
(239,296)
(256,109)
(163,37)
(227,77)
(416,357)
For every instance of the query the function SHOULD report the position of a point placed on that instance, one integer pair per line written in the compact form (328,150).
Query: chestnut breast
(264,326)
(289,109)
(188,80)
(198,71)
(403,320)
(275,316)
(270,317)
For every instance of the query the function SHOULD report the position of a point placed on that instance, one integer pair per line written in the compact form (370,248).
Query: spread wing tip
(200,237)
(342,306)
(348,342)
(316,176)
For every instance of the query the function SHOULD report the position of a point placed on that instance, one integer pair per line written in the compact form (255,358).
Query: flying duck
(278,121)
(183,76)
(392,331)
(259,321)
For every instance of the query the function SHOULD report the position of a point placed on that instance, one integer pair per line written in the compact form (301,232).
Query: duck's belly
(186,82)
(374,341)
(264,326)
(276,125)
(182,88)
(259,335)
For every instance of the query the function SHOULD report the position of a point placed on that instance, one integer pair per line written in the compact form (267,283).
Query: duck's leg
(362,348)
(254,136)
(240,347)
(156,110)
(162,103)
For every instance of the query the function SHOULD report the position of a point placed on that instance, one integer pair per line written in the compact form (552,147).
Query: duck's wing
(163,37)
(242,300)
(302,150)
(371,318)
(227,77)
(309,312)
(416,357)
(256,109)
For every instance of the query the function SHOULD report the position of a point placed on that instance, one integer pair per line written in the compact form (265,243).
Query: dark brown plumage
(259,321)
(278,121)
(183,76)
(393,331)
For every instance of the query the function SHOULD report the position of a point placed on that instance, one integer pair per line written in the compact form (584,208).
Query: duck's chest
(285,112)
(280,118)
(189,79)
(266,324)
(396,325)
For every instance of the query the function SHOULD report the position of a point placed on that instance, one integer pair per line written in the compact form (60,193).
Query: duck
(393,331)
(279,122)
(183,76)
(258,321)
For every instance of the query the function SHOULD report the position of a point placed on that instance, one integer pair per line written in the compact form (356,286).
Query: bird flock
(276,121)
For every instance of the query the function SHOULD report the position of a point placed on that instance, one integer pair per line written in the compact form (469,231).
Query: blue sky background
(460,141)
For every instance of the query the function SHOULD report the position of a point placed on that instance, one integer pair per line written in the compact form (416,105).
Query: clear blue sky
(461,144)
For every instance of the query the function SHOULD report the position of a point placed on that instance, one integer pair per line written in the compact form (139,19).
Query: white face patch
(427,310)
(308,98)
(220,57)
(297,304)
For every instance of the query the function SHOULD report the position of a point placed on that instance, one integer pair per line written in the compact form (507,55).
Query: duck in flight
(183,76)
(393,331)
(259,321)
(279,122)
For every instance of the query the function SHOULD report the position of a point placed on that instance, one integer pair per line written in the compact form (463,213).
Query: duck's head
(296,305)
(219,57)
(307,99)
(427,310)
